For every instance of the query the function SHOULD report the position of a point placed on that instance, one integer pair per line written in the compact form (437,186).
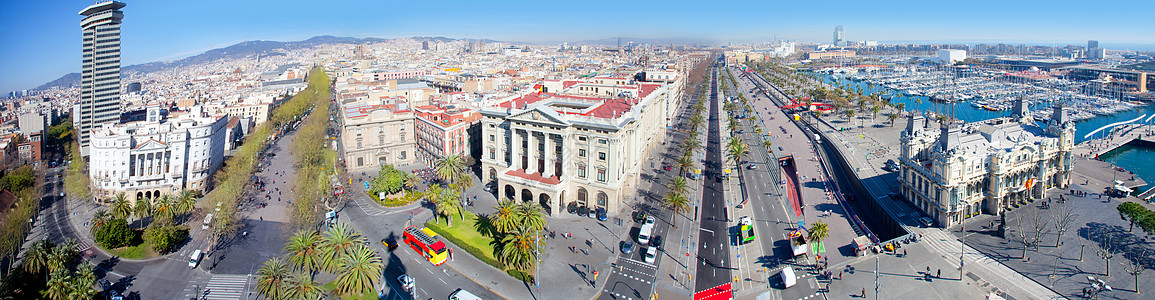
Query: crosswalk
(943,243)
(220,287)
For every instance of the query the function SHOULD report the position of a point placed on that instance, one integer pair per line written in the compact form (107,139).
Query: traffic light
(595,275)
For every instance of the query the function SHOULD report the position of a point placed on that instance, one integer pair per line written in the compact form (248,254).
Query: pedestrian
(939,274)
(863,292)
(928,269)
(903,252)
(840,275)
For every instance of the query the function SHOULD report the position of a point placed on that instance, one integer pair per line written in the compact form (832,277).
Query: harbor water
(1138,159)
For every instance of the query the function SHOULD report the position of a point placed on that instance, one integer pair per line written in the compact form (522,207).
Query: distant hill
(637,41)
(238,50)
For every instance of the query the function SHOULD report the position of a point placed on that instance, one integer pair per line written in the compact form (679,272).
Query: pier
(1117,137)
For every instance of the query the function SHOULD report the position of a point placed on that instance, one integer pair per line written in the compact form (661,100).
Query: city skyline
(51,45)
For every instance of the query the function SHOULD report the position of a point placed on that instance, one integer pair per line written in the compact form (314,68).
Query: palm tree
(678,185)
(411,182)
(690,145)
(101,217)
(164,207)
(445,201)
(186,202)
(519,250)
(82,283)
(304,251)
(874,112)
(59,286)
(338,242)
(685,163)
(360,271)
(768,145)
(36,257)
(900,106)
(736,150)
(676,201)
(505,218)
(272,279)
(302,286)
(121,209)
(849,114)
(448,168)
(142,209)
(818,232)
(530,217)
(892,117)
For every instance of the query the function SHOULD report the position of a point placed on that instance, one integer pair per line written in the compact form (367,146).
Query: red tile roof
(534,176)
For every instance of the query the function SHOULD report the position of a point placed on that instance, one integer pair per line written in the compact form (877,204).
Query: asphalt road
(713,267)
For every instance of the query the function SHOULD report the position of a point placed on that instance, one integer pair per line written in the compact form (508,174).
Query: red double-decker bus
(424,242)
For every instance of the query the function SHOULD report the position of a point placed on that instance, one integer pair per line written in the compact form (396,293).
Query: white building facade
(575,147)
(957,172)
(158,156)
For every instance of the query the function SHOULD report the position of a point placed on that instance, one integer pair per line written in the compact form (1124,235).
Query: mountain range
(238,50)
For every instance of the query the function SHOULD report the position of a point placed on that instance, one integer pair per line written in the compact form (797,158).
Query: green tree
(505,218)
(445,202)
(304,251)
(678,185)
(360,270)
(36,257)
(164,207)
(339,241)
(185,203)
(165,237)
(143,209)
(736,150)
(302,286)
(83,282)
(121,209)
(272,279)
(874,111)
(519,250)
(530,217)
(818,232)
(101,217)
(849,114)
(59,286)
(1132,212)
(891,117)
(685,162)
(411,182)
(114,234)
(676,201)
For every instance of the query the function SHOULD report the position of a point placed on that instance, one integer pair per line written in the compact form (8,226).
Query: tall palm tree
(83,282)
(874,112)
(505,218)
(530,217)
(164,207)
(519,250)
(411,182)
(359,272)
(892,117)
(338,242)
(448,168)
(121,209)
(685,163)
(186,202)
(59,286)
(143,209)
(446,203)
(100,217)
(691,145)
(272,279)
(818,232)
(678,185)
(36,258)
(302,286)
(680,203)
(304,251)
(736,149)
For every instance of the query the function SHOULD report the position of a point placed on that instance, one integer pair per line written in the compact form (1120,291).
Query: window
(492,153)
(402,155)
(602,141)
(359,144)
(492,138)
(582,138)
(402,136)
(602,174)
(582,171)
(380,139)
(358,131)
(581,152)
(601,156)
(360,161)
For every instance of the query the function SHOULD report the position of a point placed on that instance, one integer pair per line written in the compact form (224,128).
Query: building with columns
(377,131)
(157,156)
(445,130)
(581,142)
(962,170)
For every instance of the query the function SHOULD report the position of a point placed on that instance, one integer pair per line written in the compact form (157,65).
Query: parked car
(627,247)
(926,222)
(639,216)
(656,242)
(601,214)
(650,220)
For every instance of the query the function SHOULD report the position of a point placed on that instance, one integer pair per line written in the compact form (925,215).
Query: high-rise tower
(100,69)
(838,41)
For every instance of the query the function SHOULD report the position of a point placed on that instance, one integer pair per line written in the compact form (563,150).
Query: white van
(788,279)
(208,222)
(195,259)
(461,294)
(644,234)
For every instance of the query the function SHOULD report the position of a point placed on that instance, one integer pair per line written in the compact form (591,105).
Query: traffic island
(469,235)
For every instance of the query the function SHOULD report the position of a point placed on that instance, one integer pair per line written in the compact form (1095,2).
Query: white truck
(788,279)
(798,244)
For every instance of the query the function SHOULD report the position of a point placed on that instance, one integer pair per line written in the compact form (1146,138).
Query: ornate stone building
(962,170)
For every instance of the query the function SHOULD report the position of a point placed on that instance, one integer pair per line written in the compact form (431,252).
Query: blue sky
(42,38)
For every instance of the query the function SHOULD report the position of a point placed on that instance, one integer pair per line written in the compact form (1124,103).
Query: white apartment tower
(100,69)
